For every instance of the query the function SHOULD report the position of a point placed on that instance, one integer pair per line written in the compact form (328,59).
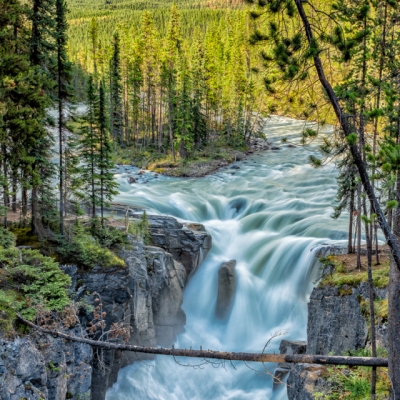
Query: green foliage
(107,236)
(86,251)
(141,229)
(27,279)
(354,383)
(7,238)
(352,139)
(340,275)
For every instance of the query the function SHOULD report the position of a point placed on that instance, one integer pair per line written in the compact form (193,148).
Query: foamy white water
(271,216)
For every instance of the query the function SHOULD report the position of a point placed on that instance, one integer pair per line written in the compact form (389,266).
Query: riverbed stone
(227,282)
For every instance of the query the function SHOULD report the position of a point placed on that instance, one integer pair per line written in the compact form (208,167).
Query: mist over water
(272,215)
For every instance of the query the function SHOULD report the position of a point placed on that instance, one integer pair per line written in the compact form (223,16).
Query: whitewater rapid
(271,215)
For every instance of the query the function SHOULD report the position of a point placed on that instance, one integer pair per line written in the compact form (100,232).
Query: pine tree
(64,70)
(88,145)
(104,159)
(116,92)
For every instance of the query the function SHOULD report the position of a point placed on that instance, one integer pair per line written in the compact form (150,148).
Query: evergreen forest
(95,95)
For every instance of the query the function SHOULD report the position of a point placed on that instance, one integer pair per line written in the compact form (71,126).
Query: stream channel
(271,215)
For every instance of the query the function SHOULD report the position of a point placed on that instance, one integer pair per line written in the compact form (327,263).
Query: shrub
(107,236)
(85,250)
(27,279)
(141,229)
(7,238)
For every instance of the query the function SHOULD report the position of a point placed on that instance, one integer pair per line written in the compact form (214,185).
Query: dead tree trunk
(219,355)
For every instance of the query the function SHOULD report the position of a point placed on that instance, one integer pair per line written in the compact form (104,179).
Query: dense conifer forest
(86,85)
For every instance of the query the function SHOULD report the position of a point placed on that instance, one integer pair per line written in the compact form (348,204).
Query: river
(271,215)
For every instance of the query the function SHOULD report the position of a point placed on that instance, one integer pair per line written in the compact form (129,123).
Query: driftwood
(210,354)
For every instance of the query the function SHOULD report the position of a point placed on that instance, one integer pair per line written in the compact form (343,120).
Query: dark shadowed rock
(287,347)
(275,148)
(226,289)
(131,180)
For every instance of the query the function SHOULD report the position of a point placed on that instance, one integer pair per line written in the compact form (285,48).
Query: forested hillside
(170,85)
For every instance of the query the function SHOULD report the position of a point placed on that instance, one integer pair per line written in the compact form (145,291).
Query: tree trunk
(346,131)
(350,244)
(394,289)
(218,355)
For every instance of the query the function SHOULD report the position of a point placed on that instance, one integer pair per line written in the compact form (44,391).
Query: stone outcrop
(187,243)
(335,324)
(226,289)
(43,367)
(144,298)
(305,380)
(287,347)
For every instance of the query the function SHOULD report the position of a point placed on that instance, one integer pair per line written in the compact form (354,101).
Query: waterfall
(272,216)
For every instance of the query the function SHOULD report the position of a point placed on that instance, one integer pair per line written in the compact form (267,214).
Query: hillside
(85,8)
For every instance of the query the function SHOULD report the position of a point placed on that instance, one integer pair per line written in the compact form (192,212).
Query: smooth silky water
(272,215)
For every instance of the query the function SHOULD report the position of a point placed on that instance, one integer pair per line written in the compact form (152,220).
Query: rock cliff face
(43,367)
(145,298)
(335,324)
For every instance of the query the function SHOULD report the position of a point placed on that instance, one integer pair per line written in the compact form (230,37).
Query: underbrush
(354,383)
(28,278)
(160,162)
(89,246)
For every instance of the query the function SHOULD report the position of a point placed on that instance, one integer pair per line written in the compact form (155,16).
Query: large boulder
(226,289)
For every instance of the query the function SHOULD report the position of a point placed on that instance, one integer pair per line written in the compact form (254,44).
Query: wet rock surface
(186,245)
(227,282)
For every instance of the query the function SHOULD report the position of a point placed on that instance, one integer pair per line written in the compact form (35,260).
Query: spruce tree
(104,159)
(116,91)
(63,95)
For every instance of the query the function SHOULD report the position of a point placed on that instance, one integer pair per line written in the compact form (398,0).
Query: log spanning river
(271,215)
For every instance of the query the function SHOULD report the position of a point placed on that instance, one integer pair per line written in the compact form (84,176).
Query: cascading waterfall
(271,215)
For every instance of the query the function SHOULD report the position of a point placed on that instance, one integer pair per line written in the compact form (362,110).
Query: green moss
(381,308)
(341,276)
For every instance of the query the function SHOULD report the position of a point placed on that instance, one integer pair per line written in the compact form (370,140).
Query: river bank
(200,164)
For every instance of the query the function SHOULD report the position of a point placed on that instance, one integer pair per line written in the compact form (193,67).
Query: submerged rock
(226,289)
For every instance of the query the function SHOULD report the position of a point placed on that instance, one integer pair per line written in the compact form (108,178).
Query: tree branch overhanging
(218,355)
(346,131)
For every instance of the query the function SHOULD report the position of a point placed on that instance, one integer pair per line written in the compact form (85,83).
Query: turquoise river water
(272,215)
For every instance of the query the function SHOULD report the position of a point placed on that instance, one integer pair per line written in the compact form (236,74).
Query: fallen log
(220,355)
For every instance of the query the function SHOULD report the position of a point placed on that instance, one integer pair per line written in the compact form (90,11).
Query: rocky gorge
(143,299)
(337,324)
